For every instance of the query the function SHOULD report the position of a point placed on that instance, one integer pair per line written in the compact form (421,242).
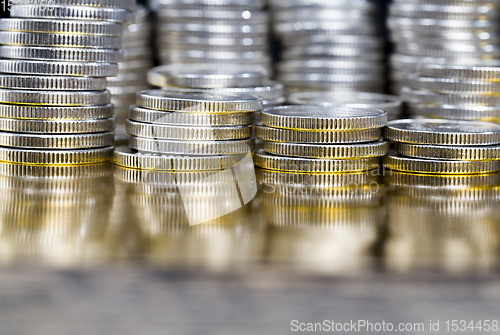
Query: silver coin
(52,83)
(61,26)
(57,126)
(54,98)
(60,40)
(41,141)
(56,112)
(58,68)
(61,54)
(208,76)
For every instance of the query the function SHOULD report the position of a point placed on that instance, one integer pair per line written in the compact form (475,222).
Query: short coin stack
(441,31)
(137,60)
(310,139)
(391,104)
(193,131)
(443,146)
(213,31)
(460,92)
(54,106)
(329,45)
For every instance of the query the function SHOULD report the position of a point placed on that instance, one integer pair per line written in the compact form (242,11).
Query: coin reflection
(55,216)
(443,223)
(224,234)
(325,223)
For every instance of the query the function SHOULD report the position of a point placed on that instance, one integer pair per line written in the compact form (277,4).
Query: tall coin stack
(329,45)
(54,106)
(212,31)
(137,60)
(313,139)
(188,131)
(390,104)
(441,31)
(461,92)
(428,146)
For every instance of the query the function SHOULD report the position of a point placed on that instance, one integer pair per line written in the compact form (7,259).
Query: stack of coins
(212,31)
(213,78)
(454,92)
(391,104)
(132,71)
(54,106)
(443,146)
(188,131)
(310,139)
(329,45)
(441,31)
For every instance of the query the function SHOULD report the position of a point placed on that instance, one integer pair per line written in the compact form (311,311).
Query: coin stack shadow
(441,31)
(132,72)
(213,31)
(313,139)
(329,45)
(443,147)
(55,108)
(460,92)
(391,104)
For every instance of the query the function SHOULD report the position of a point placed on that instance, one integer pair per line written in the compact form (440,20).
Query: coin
(329,151)
(471,153)
(309,118)
(124,157)
(311,165)
(125,4)
(52,83)
(453,182)
(61,26)
(42,141)
(483,73)
(447,85)
(61,54)
(73,12)
(198,148)
(190,119)
(297,136)
(198,102)
(467,98)
(57,126)
(472,113)
(54,98)
(56,112)
(60,40)
(391,104)
(434,166)
(56,157)
(175,132)
(207,75)
(443,132)
(58,68)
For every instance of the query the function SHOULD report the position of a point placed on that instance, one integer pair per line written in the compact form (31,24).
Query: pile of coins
(132,71)
(454,92)
(443,146)
(440,31)
(391,104)
(311,139)
(212,31)
(54,106)
(193,131)
(329,45)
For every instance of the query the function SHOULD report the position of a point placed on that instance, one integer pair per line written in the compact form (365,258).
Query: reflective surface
(351,224)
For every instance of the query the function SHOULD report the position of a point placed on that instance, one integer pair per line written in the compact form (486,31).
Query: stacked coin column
(457,92)
(329,45)
(137,60)
(55,108)
(440,147)
(178,131)
(441,31)
(310,139)
(212,31)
